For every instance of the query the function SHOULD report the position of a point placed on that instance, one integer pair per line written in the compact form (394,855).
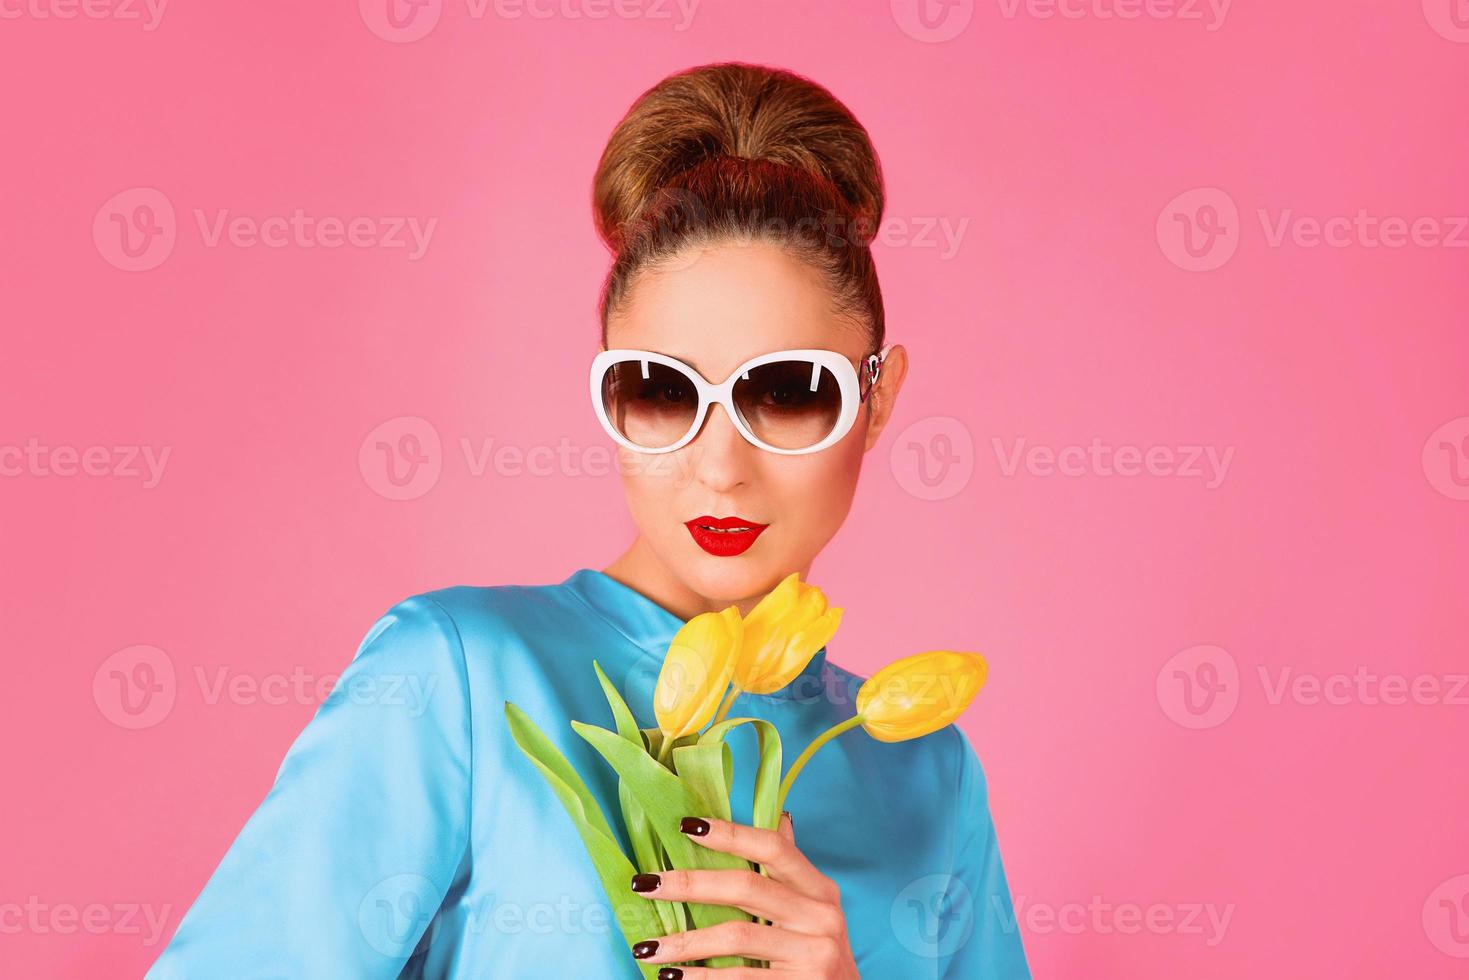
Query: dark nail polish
(791,817)
(697,826)
(645,949)
(644,883)
(670,973)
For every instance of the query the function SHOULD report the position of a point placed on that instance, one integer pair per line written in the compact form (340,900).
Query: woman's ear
(884,394)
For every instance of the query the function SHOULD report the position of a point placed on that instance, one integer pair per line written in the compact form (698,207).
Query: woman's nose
(721,457)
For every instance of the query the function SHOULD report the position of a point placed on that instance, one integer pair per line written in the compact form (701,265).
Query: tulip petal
(696,671)
(781,636)
(918,695)
(811,604)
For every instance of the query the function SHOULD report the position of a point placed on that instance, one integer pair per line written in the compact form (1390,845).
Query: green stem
(816,743)
(664,748)
(726,704)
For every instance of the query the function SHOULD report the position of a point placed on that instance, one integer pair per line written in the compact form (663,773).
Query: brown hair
(734,150)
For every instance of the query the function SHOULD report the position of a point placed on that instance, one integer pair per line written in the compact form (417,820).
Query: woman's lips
(724,536)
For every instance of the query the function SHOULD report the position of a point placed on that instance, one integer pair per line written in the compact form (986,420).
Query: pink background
(1331,835)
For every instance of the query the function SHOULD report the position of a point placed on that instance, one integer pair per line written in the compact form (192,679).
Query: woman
(406,835)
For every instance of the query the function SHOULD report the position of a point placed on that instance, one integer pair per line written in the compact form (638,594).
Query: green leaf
(765,808)
(646,852)
(635,915)
(765,811)
(708,770)
(653,740)
(666,799)
(648,855)
(627,725)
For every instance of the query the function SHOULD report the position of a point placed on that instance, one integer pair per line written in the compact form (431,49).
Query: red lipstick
(724,536)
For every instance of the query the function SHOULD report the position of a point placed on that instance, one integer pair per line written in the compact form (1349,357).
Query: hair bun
(706,116)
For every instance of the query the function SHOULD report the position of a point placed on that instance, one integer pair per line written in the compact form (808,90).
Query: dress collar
(651,627)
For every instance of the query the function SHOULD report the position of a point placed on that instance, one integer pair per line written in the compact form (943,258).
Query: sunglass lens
(652,405)
(789,404)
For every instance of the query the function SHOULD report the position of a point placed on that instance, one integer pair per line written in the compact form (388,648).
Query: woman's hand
(807,934)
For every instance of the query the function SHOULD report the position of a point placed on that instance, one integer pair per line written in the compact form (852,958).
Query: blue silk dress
(406,835)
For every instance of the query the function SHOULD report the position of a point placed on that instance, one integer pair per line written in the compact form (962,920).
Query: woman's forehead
(728,304)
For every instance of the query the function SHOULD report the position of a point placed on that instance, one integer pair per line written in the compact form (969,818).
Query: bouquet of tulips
(682,766)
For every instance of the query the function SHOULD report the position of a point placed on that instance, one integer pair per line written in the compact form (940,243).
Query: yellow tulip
(908,698)
(920,694)
(696,672)
(781,635)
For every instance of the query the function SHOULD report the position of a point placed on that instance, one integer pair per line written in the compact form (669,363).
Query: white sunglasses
(788,401)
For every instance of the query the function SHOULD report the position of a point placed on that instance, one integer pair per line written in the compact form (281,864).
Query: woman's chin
(732,578)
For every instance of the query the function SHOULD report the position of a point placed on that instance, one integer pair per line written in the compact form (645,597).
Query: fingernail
(787,814)
(697,826)
(670,973)
(645,949)
(644,883)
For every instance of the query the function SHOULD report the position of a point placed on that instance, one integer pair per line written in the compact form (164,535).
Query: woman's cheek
(814,499)
(652,503)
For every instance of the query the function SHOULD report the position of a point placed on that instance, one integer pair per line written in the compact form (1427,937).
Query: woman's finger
(776,853)
(747,890)
(722,973)
(737,938)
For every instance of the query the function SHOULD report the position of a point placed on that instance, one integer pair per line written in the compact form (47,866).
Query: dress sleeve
(341,868)
(978,893)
